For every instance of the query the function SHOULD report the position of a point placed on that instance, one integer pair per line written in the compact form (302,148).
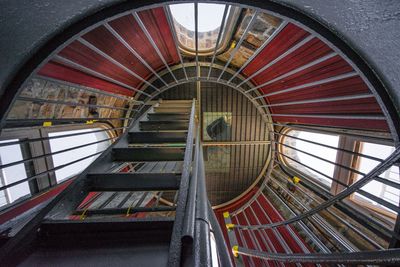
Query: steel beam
(283,180)
(133,51)
(88,89)
(242,38)
(148,35)
(174,36)
(318,100)
(98,74)
(218,39)
(288,52)
(306,66)
(261,48)
(320,82)
(340,117)
(15,123)
(115,62)
(57,102)
(196,36)
(379,257)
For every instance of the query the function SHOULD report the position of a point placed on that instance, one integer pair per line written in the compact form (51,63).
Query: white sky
(14,173)
(377,188)
(210,15)
(13,153)
(69,156)
(323,152)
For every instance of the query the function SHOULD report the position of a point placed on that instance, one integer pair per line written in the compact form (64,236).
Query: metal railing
(35,134)
(313,213)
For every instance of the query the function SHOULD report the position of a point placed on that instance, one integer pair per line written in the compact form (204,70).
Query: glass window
(209,22)
(72,155)
(293,146)
(381,190)
(9,154)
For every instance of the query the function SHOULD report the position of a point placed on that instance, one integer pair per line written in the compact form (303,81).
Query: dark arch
(86,21)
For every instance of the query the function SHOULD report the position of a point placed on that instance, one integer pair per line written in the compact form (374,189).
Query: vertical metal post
(231,236)
(223,252)
(202,245)
(196,36)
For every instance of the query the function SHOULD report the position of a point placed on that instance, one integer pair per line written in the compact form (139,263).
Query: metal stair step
(175,105)
(133,181)
(171,109)
(131,154)
(175,101)
(157,137)
(161,167)
(167,116)
(131,210)
(163,125)
(109,225)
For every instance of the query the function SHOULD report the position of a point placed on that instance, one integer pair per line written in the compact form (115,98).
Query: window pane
(210,18)
(9,154)
(293,147)
(381,190)
(209,22)
(72,155)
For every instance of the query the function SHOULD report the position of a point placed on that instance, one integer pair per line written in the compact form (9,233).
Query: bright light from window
(72,155)
(381,190)
(210,16)
(184,15)
(317,150)
(9,154)
(209,22)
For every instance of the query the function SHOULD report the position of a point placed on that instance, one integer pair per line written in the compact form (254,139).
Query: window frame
(361,201)
(285,162)
(48,181)
(228,32)
(349,140)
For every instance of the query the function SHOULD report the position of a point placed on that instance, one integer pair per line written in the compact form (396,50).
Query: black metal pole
(223,252)
(202,244)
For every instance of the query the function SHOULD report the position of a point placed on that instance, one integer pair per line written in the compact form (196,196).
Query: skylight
(209,21)
(210,16)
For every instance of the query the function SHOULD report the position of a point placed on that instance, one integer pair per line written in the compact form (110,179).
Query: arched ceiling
(301,78)
(287,70)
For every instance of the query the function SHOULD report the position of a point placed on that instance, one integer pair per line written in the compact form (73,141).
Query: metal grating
(230,168)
